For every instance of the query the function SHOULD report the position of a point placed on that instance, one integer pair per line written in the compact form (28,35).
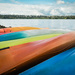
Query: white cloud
(6,8)
(70,10)
(55,12)
(60,2)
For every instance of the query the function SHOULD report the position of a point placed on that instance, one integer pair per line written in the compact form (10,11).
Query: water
(42,23)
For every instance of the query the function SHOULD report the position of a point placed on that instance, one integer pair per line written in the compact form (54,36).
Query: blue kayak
(61,64)
(31,33)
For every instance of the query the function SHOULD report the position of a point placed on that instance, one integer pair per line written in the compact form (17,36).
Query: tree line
(1,26)
(34,17)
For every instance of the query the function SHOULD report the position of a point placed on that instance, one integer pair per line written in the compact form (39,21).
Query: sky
(38,7)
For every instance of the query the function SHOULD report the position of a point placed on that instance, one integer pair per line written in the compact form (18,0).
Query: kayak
(9,43)
(14,29)
(61,64)
(31,33)
(24,56)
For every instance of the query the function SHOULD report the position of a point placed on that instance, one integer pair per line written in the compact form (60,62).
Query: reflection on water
(48,23)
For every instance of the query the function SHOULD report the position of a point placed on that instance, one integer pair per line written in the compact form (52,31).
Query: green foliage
(1,26)
(34,17)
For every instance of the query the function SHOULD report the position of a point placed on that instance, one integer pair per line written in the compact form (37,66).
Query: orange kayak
(17,58)
(15,29)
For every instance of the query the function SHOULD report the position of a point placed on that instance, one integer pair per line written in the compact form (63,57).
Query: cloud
(24,9)
(60,2)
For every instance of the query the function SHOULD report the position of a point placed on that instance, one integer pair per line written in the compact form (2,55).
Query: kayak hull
(24,56)
(9,43)
(15,29)
(61,64)
(31,33)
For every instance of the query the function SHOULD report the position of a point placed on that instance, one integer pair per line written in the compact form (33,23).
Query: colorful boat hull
(5,44)
(15,29)
(61,64)
(30,33)
(24,56)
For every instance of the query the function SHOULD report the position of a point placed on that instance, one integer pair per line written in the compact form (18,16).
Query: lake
(42,23)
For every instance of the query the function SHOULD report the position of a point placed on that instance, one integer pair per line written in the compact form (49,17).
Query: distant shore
(1,26)
(34,17)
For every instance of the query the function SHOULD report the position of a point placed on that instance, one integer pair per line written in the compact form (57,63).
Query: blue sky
(38,7)
(35,1)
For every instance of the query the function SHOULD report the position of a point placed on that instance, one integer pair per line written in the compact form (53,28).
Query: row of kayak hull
(22,57)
